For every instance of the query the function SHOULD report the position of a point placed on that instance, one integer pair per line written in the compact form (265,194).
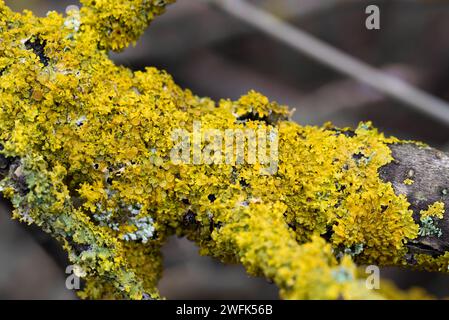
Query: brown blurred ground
(220,57)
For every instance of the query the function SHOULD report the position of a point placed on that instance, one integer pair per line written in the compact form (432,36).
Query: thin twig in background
(288,9)
(336,59)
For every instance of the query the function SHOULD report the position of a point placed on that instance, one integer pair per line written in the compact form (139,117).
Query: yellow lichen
(434,210)
(93,145)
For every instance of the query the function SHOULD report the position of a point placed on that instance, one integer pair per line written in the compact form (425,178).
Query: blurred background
(217,55)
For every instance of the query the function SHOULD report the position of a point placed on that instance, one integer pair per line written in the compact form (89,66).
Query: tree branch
(89,156)
(336,59)
(429,170)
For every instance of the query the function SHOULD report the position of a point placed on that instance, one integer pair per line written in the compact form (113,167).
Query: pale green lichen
(429,228)
(355,250)
(429,220)
(90,148)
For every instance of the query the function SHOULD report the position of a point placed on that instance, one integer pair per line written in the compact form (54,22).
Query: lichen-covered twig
(86,156)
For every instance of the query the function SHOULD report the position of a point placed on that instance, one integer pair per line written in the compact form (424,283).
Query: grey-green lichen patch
(355,250)
(342,274)
(429,227)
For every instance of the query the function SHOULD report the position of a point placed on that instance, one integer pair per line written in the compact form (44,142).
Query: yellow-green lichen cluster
(90,143)
(434,210)
(119,23)
(429,220)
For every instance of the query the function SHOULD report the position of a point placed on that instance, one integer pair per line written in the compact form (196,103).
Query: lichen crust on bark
(86,156)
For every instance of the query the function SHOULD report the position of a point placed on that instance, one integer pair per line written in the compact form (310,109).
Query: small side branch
(336,59)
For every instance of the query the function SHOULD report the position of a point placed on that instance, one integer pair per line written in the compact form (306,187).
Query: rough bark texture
(429,169)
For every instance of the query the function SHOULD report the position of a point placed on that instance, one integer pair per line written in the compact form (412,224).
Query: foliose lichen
(90,164)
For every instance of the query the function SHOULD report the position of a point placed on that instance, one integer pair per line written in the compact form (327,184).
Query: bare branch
(336,59)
